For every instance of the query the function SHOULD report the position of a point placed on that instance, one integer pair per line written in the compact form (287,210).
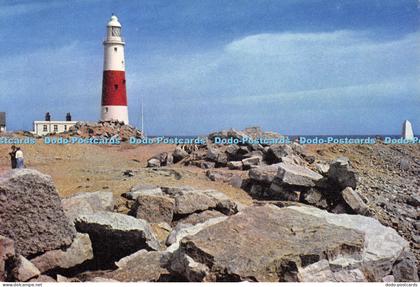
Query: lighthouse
(114,95)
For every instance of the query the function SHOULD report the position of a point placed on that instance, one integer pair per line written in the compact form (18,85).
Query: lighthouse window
(115,49)
(116,31)
(124,81)
(116,87)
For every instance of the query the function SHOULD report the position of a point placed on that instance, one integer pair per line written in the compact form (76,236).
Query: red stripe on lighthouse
(113,89)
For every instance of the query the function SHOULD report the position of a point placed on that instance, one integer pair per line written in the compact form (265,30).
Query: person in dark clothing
(13,157)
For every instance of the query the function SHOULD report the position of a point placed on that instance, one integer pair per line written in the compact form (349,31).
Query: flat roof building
(48,126)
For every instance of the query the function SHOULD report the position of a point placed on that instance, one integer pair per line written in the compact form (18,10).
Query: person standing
(13,157)
(19,158)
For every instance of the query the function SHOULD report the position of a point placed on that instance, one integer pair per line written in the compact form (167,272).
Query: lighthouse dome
(113,22)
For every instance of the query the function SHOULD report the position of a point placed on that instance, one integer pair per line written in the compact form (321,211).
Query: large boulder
(115,235)
(216,155)
(78,252)
(192,202)
(353,199)
(142,189)
(342,174)
(405,269)
(276,152)
(142,266)
(183,230)
(87,202)
(179,154)
(383,246)
(200,217)
(267,243)
(154,208)
(31,213)
(292,174)
(24,270)
(264,174)
(7,251)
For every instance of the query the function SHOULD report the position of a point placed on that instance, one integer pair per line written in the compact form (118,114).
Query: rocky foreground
(311,221)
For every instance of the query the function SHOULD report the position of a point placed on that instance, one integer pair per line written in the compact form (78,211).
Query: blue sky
(291,66)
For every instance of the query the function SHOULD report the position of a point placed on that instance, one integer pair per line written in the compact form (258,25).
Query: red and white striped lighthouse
(114,95)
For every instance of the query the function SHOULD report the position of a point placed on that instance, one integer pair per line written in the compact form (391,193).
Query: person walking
(13,157)
(19,158)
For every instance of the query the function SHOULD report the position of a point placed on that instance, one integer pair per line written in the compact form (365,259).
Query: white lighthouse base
(119,113)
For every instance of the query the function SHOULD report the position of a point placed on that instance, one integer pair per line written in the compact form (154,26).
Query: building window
(65,127)
(45,128)
(106,110)
(56,128)
(115,49)
(116,87)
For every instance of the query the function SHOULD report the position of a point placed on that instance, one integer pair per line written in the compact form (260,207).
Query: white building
(48,126)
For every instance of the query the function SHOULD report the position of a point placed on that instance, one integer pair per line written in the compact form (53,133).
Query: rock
(161,231)
(7,251)
(235,165)
(165,158)
(383,245)
(179,154)
(413,200)
(236,181)
(191,270)
(264,174)
(355,202)
(24,270)
(31,213)
(142,266)
(183,230)
(142,189)
(216,176)
(353,275)
(388,278)
(267,244)
(115,235)
(315,198)
(207,164)
(279,191)
(405,269)
(405,164)
(251,162)
(322,168)
(78,252)
(43,278)
(235,152)
(192,202)
(200,217)
(217,156)
(154,208)
(276,152)
(342,174)
(87,202)
(317,272)
(153,162)
(128,173)
(292,174)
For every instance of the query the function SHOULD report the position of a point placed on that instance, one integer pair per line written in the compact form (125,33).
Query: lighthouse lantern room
(114,95)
